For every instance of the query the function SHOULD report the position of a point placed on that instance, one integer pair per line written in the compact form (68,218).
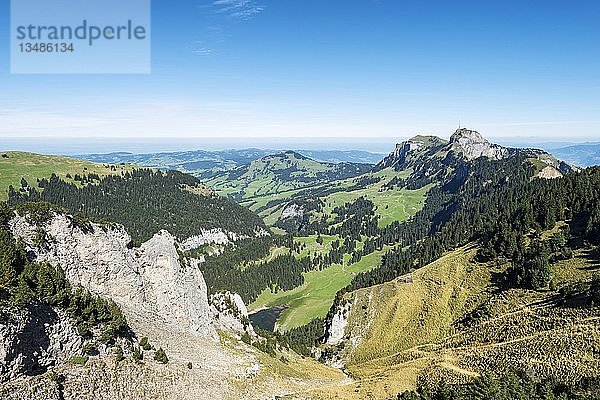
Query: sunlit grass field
(37,166)
(314,298)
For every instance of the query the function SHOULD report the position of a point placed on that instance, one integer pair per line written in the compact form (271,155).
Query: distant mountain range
(583,155)
(199,161)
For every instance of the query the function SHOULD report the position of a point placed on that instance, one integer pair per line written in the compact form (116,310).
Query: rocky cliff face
(410,150)
(162,294)
(472,145)
(34,339)
(151,280)
(336,329)
(212,236)
(231,313)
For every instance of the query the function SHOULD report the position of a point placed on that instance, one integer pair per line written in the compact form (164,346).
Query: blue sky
(331,68)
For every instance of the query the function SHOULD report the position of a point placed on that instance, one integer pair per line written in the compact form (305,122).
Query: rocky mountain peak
(413,147)
(464,134)
(473,145)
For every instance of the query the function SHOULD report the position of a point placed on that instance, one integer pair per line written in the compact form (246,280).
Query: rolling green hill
(17,165)
(280,173)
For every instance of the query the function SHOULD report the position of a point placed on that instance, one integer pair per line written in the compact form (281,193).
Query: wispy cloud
(242,9)
(202,51)
(218,16)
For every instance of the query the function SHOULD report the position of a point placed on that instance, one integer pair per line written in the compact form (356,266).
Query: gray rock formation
(34,339)
(409,150)
(472,145)
(150,280)
(549,172)
(336,329)
(213,236)
(292,210)
(231,313)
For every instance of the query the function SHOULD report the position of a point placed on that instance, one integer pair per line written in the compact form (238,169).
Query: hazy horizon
(71,146)
(252,68)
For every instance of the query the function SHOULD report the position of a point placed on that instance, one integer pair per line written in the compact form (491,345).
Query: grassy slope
(37,166)
(422,310)
(314,298)
(261,179)
(404,331)
(391,205)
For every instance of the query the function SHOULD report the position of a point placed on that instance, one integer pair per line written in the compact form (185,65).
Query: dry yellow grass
(401,334)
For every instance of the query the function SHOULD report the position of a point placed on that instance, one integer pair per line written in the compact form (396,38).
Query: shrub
(246,338)
(144,344)
(5,213)
(79,360)
(161,356)
(119,354)
(37,213)
(90,349)
(138,354)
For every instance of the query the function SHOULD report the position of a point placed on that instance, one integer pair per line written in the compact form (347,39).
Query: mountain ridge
(467,144)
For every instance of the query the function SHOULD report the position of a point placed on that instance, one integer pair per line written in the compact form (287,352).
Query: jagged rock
(472,145)
(292,210)
(231,313)
(213,236)
(253,370)
(410,149)
(550,172)
(34,339)
(337,327)
(150,280)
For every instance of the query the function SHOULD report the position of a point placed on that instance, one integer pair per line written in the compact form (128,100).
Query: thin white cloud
(203,51)
(241,9)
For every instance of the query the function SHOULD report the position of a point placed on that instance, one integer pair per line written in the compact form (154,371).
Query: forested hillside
(144,201)
(20,169)
(495,209)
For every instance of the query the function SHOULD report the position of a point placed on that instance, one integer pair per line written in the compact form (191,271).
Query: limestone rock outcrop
(472,145)
(151,280)
(35,339)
